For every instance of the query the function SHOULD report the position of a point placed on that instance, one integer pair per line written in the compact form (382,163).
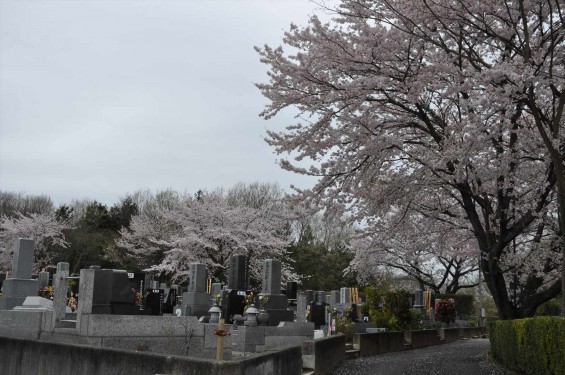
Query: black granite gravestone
(112,293)
(154,300)
(2,278)
(291,289)
(237,278)
(318,314)
(170,298)
(234,304)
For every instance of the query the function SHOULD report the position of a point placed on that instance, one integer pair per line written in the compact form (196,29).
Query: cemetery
(207,321)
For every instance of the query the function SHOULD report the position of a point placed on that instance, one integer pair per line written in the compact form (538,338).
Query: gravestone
(291,290)
(276,303)
(309,296)
(112,293)
(334,298)
(170,301)
(2,278)
(318,314)
(20,285)
(234,304)
(137,281)
(345,295)
(154,284)
(43,279)
(196,302)
(154,301)
(321,297)
(237,277)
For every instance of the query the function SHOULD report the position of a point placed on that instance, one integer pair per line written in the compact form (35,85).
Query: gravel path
(461,358)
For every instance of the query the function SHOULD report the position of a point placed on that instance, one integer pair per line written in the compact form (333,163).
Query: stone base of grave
(195,303)
(15,291)
(195,310)
(277,316)
(35,304)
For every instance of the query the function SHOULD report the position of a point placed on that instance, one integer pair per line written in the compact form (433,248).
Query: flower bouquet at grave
(137,297)
(263,299)
(248,301)
(46,292)
(445,311)
(72,302)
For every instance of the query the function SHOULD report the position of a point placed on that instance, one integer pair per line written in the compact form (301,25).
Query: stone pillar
(60,293)
(301,307)
(85,296)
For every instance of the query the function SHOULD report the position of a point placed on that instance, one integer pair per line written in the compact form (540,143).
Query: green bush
(390,309)
(533,346)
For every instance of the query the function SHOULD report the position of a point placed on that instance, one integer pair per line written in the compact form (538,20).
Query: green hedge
(531,346)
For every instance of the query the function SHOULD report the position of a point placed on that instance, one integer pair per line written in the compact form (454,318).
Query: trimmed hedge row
(533,346)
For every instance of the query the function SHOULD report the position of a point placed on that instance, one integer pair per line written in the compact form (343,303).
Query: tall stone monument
(196,302)
(276,303)
(20,285)
(237,277)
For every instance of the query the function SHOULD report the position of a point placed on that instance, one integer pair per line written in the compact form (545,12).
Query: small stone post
(220,333)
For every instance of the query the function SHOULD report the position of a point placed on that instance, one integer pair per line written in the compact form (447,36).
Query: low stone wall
(24,324)
(386,342)
(378,343)
(323,354)
(423,338)
(156,334)
(21,356)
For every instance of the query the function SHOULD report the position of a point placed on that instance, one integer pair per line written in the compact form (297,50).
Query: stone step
(71,316)
(65,323)
(352,353)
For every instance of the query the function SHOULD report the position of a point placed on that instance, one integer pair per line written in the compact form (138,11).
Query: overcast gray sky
(102,98)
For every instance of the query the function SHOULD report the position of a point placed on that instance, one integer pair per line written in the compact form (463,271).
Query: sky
(103,98)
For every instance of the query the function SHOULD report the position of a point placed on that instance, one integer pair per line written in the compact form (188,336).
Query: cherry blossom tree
(206,229)
(447,110)
(42,228)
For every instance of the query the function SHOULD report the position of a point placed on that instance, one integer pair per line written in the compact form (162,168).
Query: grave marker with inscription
(20,285)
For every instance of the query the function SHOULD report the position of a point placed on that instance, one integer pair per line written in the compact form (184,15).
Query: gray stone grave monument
(43,278)
(334,298)
(20,285)
(345,295)
(276,302)
(237,277)
(196,302)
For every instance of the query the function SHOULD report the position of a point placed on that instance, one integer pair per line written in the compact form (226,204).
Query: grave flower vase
(263,318)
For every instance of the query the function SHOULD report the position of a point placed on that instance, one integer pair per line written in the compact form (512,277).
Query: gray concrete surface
(469,357)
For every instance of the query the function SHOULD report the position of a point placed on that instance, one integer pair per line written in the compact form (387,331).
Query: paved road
(460,358)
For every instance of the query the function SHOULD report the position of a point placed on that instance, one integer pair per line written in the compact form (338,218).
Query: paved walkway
(467,357)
